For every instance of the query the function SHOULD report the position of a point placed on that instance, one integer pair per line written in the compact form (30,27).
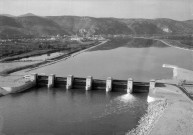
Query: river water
(75,112)
(140,59)
(42,111)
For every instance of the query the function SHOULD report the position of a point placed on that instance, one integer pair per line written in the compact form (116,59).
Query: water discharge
(59,112)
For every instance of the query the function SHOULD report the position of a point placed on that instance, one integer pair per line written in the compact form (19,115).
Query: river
(56,111)
(140,59)
(59,112)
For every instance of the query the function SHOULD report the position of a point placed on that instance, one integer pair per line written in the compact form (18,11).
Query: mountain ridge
(30,24)
(27,14)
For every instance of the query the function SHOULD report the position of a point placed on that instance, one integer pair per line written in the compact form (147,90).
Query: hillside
(40,26)
(90,24)
(159,26)
(30,24)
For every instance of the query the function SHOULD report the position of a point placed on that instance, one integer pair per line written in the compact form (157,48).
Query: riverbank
(171,43)
(34,64)
(26,55)
(169,113)
(178,117)
(146,123)
(170,107)
(68,56)
(65,48)
(14,84)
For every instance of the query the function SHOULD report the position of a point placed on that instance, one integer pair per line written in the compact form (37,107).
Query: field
(16,49)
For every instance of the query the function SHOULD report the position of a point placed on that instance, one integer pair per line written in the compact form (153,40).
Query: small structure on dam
(88,83)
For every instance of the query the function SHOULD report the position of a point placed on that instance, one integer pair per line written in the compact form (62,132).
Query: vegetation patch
(70,52)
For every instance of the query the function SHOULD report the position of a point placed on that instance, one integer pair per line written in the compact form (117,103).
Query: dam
(110,84)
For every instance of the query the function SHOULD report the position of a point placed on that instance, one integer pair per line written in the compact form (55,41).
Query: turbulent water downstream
(42,111)
(59,112)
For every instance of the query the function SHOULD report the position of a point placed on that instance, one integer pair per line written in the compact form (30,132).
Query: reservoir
(56,111)
(140,59)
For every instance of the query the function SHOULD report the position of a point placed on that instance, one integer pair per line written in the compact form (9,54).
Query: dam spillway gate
(88,83)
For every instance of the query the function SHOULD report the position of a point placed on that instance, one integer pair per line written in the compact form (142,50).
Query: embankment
(48,62)
(169,113)
(15,87)
(61,58)
(29,54)
(170,109)
(146,123)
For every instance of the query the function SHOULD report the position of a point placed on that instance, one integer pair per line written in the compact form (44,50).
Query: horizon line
(32,14)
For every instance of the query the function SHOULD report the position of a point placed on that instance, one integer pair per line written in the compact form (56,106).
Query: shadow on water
(130,43)
(59,111)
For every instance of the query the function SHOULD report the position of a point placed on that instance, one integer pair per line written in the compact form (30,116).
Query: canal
(56,111)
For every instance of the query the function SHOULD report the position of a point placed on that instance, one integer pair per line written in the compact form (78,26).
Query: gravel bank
(146,123)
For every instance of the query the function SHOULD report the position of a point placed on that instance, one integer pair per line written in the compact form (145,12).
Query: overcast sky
(174,9)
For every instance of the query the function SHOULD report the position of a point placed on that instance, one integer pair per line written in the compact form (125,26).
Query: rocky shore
(169,113)
(154,112)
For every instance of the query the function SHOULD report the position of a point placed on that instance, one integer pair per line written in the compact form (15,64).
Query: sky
(173,9)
